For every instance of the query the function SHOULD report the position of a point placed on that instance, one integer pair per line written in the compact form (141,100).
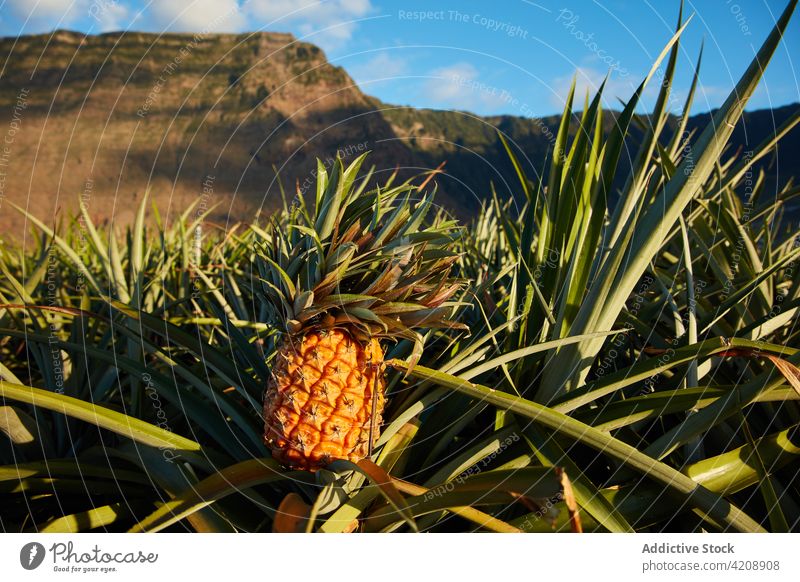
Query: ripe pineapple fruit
(363,266)
(319,406)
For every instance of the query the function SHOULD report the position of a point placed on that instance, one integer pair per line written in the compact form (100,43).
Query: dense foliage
(628,366)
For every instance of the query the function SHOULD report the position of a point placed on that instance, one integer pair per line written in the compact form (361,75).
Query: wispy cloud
(382,67)
(47,14)
(196,15)
(110,16)
(708,95)
(328,23)
(458,86)
(588,79)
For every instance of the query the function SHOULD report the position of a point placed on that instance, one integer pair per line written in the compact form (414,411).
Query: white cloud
(384,66)
(48,14)
(109,16)
(43,7)
(591,79)
(616,89)
(310,10)
(329,23)
(197,15)
(458,86)
(710,96)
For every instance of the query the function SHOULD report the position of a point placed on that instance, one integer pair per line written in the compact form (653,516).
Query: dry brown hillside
(108,116)
(207,118)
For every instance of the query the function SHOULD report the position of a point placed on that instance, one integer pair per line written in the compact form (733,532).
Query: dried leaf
(789,370)
(569,501)
(292,515)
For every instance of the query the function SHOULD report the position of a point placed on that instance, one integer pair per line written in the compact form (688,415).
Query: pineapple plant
(362,267)
(161,340)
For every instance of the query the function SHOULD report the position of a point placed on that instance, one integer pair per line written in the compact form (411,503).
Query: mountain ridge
(104,117)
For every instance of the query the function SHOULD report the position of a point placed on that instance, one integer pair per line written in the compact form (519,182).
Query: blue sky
(511,56)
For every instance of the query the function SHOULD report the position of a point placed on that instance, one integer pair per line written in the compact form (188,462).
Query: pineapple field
(579,358)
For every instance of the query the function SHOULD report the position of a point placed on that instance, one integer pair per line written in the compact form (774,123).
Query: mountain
(211,119)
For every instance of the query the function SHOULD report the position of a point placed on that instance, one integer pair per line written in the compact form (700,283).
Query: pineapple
(362,267)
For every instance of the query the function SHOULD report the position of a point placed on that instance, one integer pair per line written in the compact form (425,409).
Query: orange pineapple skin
(318,403)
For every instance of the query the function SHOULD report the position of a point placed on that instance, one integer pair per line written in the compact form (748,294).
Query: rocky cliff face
(109,116)
(216,118)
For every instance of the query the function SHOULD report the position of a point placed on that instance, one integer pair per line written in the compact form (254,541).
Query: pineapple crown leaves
(377,261)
